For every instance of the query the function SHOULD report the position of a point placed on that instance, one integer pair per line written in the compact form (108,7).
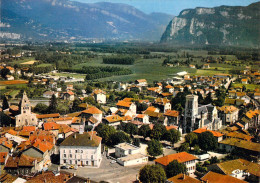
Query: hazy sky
(174,6)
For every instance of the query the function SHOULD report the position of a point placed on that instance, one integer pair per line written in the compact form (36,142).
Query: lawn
(44,65)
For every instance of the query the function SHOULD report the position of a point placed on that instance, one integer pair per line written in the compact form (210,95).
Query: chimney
(75,135)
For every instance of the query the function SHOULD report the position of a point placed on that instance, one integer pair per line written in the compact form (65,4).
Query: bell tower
(191,111)
(25,105)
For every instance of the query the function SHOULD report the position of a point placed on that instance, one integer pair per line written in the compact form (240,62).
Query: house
(9,77)
(92,111)
(142,118)
(127,105)
(244,81)
(253,118)
(212,177)
(169,88)
(44,117)
(172,117)
(23,165)
(238,168)
(48,94)
(128,154)
(70,87)
(182,178)
(205,66)
(51,177)
(69,95)
(229,144)
(81,149)
(193,66)
(218,136)
(163,104)
(183,157)
(257,96)
(14,136)
(141,82)
(113,120)
(6,145)
(100,96)
(228,114)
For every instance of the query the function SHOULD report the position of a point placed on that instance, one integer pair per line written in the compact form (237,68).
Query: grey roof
(206,122)
(203,109)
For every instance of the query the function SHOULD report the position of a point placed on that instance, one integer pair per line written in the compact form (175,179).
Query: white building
(100,96)
(128,154)
(81,149)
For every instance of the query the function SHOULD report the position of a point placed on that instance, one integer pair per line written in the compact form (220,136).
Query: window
(64,151)
(92,157)
(70,161)
(64,155)
(70,155)
(76,151)
(81,151)
(64,161)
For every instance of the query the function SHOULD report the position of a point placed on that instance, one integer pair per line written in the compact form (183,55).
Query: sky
(173,7)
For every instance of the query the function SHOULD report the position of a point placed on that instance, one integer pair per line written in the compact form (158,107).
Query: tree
(144,131)
(152,174)
(131,129)
(172,136)
(154,148)
(184,147)
(53,104)
(207,141)
(191,139)
(214,160)
(41,108)
(141,106)
(158,131)
(75,105)
(5,104)
(174,168)
(4,72)
(89,89)
(136,142)
(196,149)
(105,132)
(111,98)
(118,137)
(208,99)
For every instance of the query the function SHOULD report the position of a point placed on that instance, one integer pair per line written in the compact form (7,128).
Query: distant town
(129,113)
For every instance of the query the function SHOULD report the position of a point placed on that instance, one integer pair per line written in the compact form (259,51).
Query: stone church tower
(191,112)
(25,118)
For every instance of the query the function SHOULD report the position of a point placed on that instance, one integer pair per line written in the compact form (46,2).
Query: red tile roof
(123,103)
(181,178)
(172,113)
(180,157)
(215,134)
(42,116)
(213,177)
(92,110)
(3,156)
(51,126)
(29,128)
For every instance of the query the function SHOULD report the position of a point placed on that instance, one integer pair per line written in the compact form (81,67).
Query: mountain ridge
(222,25)
(63,19)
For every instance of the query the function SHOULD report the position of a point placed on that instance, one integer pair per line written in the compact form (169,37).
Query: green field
(150,69)
(44,65)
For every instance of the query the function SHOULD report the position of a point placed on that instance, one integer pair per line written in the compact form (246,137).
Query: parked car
(113,161)
(63,167)
(168,147)
(72,167)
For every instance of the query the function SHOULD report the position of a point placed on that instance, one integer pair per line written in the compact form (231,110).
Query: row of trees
(40,70)
(119,60)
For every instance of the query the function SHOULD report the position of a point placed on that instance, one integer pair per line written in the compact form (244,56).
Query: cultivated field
(29,62)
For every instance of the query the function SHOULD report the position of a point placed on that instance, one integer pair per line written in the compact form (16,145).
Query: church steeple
(25,105)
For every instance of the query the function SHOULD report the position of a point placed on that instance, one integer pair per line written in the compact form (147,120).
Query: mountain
(64,19)
(224,25)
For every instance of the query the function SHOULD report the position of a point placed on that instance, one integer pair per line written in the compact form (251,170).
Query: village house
(6,145)
(205,66)
(113,120)
(100,96)
(163,104)
(141,82)
(238,168)
(172,117)
(128,154)
(218,136)
(228,114)
(69,95)
(251,119)
(48,94)
(183,157)
(212,177)
(92,111)
(81,149)
(127,105)
(142,118)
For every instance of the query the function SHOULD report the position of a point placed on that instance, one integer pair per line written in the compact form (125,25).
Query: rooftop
(181,178)
(252,146)
(180,157)
(84,139)
(126,146)
(213,177)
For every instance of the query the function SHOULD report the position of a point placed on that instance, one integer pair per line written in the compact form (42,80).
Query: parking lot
(110,172)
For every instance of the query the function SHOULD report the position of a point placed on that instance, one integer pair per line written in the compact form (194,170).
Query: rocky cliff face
(224,25)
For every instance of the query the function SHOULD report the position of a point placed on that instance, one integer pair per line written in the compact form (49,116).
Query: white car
(168,147)
(113,161)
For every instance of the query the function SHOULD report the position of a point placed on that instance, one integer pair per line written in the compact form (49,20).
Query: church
(26,117)
(203,116)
